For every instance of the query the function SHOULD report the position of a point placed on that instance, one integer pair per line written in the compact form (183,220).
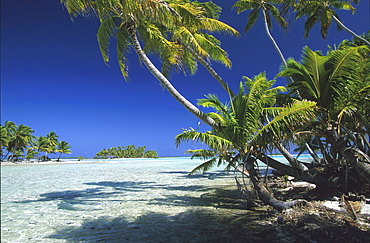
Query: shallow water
(137,200)
(129,200)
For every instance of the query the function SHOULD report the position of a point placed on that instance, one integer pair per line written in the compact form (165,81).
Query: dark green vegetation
(130,151)
(19,143)
(325,114)
(322,111)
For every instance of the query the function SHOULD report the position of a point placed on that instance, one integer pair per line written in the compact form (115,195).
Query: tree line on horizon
(323,110)
(18,143)
(130,151)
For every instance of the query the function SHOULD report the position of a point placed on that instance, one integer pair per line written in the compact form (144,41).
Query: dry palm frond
(352,208)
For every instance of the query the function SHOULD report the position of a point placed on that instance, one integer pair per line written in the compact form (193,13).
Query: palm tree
(269,11)
(6,132)
(323,11)
(31,153)
(39,144)
(339,84)
(53,138)
(249,125)
(63,148)
(4,140)
(126,20)
(20,137)
(52,142)
(103,154)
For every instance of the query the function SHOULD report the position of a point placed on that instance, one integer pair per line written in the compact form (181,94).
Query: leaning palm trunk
(265,195)
(350,31)
(363,169)
(319,180)
(167,84)
(362,166)
(292,161)
(272,39)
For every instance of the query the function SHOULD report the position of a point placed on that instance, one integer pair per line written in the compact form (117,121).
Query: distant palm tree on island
(130,151)
(63,148)
(18,143)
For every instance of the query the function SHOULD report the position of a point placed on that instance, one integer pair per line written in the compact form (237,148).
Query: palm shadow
(80,199)
(194,225)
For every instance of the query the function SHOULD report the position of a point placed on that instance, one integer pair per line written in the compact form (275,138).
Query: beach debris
(353,204)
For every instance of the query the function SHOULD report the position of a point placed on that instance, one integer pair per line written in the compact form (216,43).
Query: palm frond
(76,7)
(277,16)
(214,25)
(204,167)
(211,46)
(213,101)
(202,153)
(106,31)
(243,5)
(213,141)
(122,48)
(296,113)
(252,19)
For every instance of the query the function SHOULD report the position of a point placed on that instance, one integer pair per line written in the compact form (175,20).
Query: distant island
(130,151)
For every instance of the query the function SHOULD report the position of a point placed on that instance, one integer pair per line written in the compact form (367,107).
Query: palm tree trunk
(350,31)
(59,156)
(362,166)
(315,178)
(292,161)
(167,84)
(265,195)
(272,39)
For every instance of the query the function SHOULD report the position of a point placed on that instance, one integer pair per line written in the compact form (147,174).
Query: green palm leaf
(213,141)
(204,167)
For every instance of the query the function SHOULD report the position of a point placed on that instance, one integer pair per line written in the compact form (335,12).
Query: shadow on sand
(216,216)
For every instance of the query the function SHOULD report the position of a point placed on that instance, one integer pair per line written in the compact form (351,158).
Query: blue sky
(54,79)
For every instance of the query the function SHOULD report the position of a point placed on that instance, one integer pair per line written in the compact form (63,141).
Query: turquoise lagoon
(137,200)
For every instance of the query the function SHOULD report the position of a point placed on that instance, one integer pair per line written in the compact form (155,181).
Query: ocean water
(101,202)
(137,200)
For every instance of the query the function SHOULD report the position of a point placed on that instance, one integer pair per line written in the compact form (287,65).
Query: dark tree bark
(264,194)
(308,176)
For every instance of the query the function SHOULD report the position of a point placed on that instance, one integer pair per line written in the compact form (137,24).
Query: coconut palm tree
(323,11)
(31,153)
(6,131)
(339,84)
(39,144)
(269,12)
(52,142)
(130,20)
(249,125)
(4,140)
(19,138)
(63,148)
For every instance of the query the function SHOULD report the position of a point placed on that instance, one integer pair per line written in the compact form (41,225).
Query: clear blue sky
(54,79)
